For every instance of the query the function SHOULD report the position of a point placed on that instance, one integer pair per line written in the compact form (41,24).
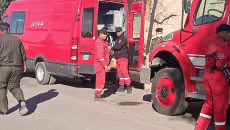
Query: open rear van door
(136,35)
(87,36)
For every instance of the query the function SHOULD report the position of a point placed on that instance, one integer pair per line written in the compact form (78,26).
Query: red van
(59,35)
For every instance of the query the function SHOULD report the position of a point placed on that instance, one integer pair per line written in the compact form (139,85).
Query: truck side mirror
(187,6)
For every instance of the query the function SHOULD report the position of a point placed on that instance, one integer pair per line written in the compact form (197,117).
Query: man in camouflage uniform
(12,64)
(156,40)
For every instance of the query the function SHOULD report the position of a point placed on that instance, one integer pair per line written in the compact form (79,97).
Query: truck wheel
(42,75)
(52,80)
(168,92)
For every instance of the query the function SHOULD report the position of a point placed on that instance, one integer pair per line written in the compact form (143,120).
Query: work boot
(121,88)
(22,108)
(129,89)
(99,98)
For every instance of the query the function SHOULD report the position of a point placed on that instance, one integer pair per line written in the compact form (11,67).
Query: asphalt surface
(69,105)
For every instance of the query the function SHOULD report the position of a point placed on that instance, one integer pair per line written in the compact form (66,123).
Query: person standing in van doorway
(100,63)
(156,41)
(121,54)
(12,64)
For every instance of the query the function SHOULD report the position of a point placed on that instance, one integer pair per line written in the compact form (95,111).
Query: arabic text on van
(37,23)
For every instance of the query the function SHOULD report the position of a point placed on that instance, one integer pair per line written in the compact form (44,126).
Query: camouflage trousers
(10,77)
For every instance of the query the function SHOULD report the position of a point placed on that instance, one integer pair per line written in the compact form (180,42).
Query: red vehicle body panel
(137,44)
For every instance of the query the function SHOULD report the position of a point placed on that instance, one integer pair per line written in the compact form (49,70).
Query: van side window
(17,22)
(209,11)
(5,19)
(136,26)
(87,22)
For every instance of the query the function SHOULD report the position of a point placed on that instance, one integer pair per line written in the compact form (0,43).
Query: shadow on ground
(147,98)
(111,89)
(33,102)
(28,74)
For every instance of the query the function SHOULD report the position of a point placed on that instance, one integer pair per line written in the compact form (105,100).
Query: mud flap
(145,75)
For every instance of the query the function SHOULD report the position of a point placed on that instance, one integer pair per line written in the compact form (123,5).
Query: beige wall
(167,16)
(170,9)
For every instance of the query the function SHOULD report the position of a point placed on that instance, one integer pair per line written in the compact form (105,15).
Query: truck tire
(42,75)
(168,95)
(52,80)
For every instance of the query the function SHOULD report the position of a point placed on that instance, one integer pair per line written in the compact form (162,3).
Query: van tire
(52,80)
(168,94)
(41,73)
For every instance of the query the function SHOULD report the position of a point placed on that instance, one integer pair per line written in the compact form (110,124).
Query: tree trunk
(150,29)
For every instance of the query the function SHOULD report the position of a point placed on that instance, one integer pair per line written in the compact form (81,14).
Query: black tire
(52,80)
(168,94)
(41,73)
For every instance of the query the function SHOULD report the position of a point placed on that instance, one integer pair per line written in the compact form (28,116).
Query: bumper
(145,74)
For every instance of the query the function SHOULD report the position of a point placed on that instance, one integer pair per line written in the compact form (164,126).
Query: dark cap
(103,30)
(118,29)
(4,24)
(222,27)
(159,29)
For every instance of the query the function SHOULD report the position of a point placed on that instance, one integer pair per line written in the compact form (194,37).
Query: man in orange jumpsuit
(100,63)
(215,83)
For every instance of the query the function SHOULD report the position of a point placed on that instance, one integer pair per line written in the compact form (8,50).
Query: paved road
(69,105)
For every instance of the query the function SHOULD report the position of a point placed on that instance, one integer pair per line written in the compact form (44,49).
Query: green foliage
(3,6)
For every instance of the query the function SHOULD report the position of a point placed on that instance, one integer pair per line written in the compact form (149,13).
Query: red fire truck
(59,35)
(177,64)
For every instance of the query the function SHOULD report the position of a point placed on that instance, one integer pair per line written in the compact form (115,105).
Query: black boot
(129,89)
(121,88)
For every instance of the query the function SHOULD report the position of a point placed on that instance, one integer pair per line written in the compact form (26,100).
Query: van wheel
(42,75)
(52,80)
(168,93)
